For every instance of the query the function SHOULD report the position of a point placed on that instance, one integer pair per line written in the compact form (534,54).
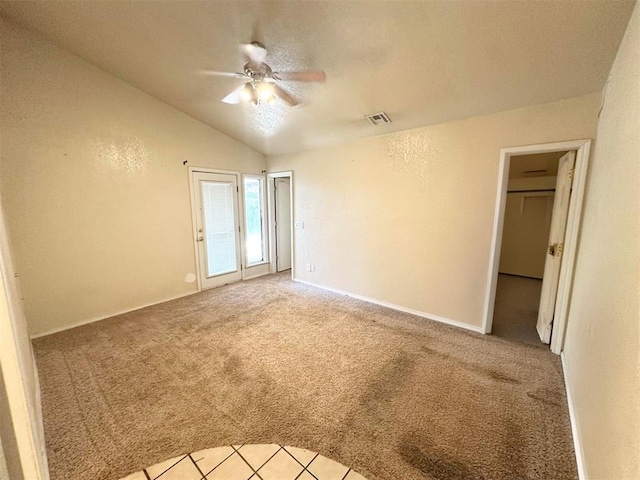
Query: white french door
(217,228)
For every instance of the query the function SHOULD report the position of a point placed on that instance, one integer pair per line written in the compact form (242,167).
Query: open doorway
(282,204)
(525,236)
(533,233)
(281,222)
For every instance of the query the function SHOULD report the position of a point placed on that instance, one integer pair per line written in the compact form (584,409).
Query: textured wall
(602,346)
(96,195)
(406,218)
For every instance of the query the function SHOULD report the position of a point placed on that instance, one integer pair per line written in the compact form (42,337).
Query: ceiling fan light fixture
(262,82)
(248,93)
(265,92)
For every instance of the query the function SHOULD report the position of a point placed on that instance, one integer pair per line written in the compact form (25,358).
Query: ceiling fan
(262,82)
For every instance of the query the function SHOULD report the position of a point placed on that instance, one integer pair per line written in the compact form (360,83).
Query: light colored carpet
(516,309)
(271,361)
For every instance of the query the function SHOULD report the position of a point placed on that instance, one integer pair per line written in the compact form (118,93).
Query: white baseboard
(248,275)
(104,317)
(428,316)
(575,431)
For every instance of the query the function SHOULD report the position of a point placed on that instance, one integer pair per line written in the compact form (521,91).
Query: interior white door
(556,246)
(217,228)
(283,223)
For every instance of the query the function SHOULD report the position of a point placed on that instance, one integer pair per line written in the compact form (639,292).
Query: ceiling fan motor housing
(258,71)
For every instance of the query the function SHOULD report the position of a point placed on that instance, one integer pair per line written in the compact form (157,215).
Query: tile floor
(248,462)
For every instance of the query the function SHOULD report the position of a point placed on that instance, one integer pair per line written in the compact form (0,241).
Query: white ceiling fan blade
(279,92)
(307,76)
(254,52)
(234,97)
(221,74)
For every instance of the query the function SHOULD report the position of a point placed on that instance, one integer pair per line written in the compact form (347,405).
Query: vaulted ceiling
(422,62)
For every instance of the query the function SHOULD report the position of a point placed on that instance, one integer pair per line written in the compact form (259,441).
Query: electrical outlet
(308,267)
(313,267)
(299,224)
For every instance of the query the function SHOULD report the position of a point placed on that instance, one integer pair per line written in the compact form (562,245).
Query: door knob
(556,249)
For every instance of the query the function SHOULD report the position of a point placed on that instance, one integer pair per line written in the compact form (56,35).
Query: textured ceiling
(421,62)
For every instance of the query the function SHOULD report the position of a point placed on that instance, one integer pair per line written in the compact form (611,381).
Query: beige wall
(602,346)
(407,218)
(525,234)
(96,195)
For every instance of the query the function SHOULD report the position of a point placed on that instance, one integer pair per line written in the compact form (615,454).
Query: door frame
(272,228)
(19,375)
(261,268)
(194,221)
(582,148)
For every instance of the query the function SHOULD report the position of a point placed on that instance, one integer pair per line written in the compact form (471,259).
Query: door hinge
(237,189)
(571,174)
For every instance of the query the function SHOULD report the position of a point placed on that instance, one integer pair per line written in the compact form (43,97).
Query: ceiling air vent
(378,118)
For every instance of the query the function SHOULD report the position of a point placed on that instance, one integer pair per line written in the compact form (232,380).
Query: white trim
(393,306)
(24,413)
(26,426)
(272,229)
(194,217)
(265,222)
(496,242)
(194,225)
(258,264)
(104,317)
(256,271)
(571,236)
(288,173)
(575,431)
(212,170)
